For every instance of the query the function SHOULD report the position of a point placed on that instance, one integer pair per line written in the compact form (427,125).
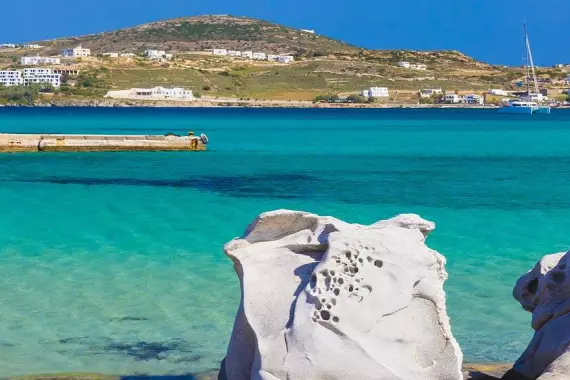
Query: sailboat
(531,102)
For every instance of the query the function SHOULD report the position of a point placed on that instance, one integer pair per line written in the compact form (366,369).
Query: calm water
(112,262)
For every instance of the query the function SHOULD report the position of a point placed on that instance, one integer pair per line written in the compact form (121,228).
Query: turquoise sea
(113,262)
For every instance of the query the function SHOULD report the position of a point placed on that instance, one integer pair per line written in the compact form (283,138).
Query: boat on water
(530,102)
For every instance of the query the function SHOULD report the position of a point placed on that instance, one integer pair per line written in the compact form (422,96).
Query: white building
(311,31)
(450,97)
(37,76)
(234,53)
(418,66)
(32,46)
(272,57)
(11,78)
(169,57)
(247,54)
(498,92)
(111,55)
(259,56)
(37,60)
(473,99)
(128,55)
(154,54)
(220,52)
(8,46)
(404,64)
(285,59)
(429,92)
(376,92)
(163,92)
(75,52)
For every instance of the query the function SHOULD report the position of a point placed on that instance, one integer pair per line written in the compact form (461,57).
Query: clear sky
(490,30)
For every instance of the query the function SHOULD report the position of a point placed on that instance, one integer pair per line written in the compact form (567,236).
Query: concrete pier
(10,142)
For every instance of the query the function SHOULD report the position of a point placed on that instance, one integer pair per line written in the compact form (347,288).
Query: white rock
(545,291)
(324,299)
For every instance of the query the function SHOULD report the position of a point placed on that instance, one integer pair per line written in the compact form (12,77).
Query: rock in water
(324,299)
(545,292)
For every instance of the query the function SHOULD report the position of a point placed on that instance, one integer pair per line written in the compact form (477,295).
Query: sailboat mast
(529,55)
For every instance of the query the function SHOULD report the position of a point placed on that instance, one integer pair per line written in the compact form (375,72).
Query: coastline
(106,103)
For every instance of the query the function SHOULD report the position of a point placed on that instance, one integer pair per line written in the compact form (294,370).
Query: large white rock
(545,291)
(324,299)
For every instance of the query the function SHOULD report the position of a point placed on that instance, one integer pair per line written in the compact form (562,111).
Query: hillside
(206,32)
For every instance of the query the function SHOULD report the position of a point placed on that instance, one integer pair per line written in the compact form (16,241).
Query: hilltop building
(376,92)
(220,52)
(412,66)
(234,53)
(259,56)
(11,78)
(272,57)
(37,60)
(285,59)
(32,46)
(76,52)
(155,54)
(247,54)
(8,46)
(311,31)
(111,55)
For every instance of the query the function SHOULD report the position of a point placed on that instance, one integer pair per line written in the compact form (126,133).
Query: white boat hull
(545,110)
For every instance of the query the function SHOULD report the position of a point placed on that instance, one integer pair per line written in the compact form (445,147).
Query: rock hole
(559,277)
(338,261)
(333,301)
(357,280)
(336,292)
(334,280)
(329,306)
(323,300)
(416,283)
(360,261)
(313,281)
(325,273)
(335,319)
(333,273)
(325,315)
(314,319)
(340,281)
(378,263)
(369,259)
(368,288)
(533,286)
(350,288)
(347,254)
(318,306)
(355,270)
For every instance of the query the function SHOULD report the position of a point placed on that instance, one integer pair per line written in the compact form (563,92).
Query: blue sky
(489,30)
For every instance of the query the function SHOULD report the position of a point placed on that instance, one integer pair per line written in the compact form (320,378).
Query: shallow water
(112,262)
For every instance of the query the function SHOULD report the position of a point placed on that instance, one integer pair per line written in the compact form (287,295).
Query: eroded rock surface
(324,299)
(545,292)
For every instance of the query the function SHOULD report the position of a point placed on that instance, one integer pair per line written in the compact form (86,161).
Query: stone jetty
(10,142)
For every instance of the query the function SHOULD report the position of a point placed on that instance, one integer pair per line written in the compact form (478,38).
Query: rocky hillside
(207,32)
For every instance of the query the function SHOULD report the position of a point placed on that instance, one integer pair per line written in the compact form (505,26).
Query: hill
(207,32)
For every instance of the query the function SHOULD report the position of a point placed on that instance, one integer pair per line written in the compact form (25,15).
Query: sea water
(113,262)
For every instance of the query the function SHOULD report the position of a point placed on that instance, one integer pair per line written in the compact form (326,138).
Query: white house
(234,53)
(8,46)
(35,76)
(111,55)
(450,97)
(247,54)
(404,64)
(37,60)
(168,56)
(473,99)
(376,92)
(167,93)
(418,66)
(259,56)
(128,55)
(32,46)
(220,52)
(154,54)
(75,52)
(11,78)
(285,59)
(311,31)
(498,92)
(429,92)
(272,57)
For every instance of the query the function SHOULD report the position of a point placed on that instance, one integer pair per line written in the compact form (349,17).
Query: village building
(167,93)
(450,98)
(37,60)
(376,92)
(498,92)
(11,78)
(234,53)
(404,64)
(111,55)
(472,99)
(259,56)
(310,31)
(429,92)
(8,46)
(32,46)
(247,54)
(76,52)
(154,54)
(128,55)
(272,57)
(220,52)
(41,75)
(285,58)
